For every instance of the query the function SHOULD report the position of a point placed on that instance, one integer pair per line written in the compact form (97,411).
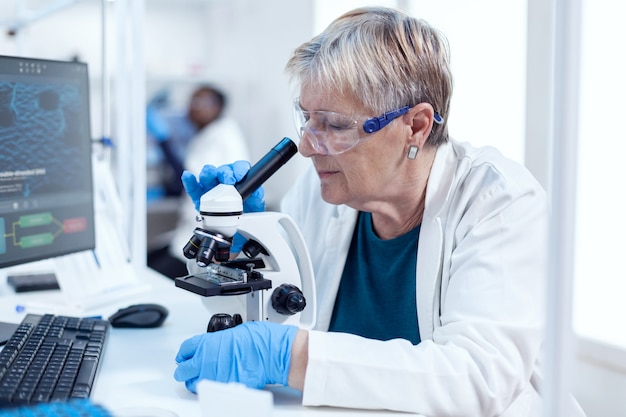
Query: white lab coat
(221,142)
(481,279)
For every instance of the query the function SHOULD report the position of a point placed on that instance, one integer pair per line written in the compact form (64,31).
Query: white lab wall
(601,223)
(600,290)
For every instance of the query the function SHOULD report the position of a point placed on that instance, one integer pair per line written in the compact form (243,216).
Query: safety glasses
(331,133)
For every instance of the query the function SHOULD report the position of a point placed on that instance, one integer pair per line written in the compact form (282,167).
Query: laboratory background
(144,53)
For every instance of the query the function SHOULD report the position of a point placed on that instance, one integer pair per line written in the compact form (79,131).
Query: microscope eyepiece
(266,167)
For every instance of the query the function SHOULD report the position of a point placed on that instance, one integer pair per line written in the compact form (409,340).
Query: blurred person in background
(218,140)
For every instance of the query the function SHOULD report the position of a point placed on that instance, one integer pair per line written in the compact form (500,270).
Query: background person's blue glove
(253,353)
(157,125)
(230,174)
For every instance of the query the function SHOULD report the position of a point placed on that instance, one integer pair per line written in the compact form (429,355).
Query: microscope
(272,278)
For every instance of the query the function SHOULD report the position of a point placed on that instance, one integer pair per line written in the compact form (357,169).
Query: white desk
(138,365)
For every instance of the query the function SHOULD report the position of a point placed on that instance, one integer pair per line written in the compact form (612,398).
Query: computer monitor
(46,189)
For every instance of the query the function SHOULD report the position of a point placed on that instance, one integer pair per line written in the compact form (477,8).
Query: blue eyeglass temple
(376,123)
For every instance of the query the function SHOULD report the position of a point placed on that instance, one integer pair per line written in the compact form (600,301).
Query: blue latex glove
(253,353)
(230,174)
(156,124)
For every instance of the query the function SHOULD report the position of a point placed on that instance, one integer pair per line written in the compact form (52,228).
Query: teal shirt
(376,297)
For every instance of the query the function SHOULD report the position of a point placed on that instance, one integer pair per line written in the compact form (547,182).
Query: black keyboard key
(60,394)
(41,397)
(87,372)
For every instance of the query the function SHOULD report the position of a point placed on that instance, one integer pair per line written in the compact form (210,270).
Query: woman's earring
(412,152)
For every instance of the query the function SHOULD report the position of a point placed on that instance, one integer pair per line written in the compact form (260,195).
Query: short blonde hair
(383,58)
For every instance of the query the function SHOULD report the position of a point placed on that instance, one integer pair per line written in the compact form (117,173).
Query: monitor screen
(46,189)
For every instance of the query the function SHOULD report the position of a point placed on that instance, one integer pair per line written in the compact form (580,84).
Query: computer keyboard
(51,358)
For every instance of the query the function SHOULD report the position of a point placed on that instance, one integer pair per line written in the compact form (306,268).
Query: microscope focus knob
(221,321)
(287,299)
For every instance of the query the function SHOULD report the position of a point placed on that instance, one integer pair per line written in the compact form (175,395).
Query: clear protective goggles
(331,133)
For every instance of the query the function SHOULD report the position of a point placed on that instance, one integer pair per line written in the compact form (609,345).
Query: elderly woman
(429,254)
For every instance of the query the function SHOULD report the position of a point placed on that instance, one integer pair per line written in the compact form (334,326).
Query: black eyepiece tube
(266,167)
